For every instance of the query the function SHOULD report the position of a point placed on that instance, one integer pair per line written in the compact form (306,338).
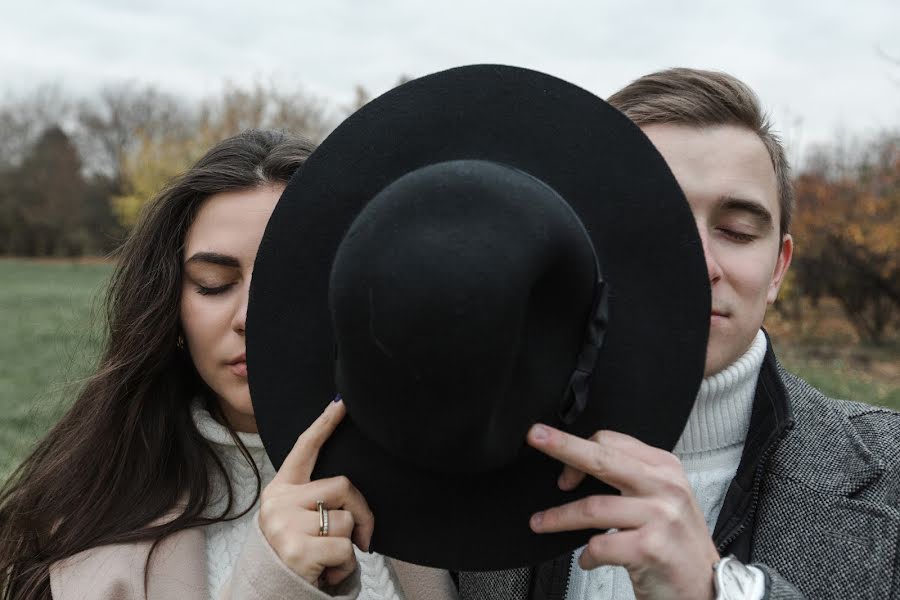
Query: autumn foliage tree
(74,175)
(156,156)
(848,234)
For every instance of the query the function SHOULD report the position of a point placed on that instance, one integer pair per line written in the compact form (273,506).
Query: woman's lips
(239,368)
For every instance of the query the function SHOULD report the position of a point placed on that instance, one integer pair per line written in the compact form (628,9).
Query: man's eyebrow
(214,258)
(757,210)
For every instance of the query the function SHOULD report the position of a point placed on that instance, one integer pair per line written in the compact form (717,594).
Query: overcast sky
(818,65)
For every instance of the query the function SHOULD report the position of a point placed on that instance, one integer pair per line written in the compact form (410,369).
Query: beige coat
(178,571)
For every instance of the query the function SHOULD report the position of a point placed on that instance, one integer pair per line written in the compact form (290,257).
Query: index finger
(601,457)
(300,461)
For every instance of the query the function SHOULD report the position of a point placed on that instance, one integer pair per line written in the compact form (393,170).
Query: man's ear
(785,254)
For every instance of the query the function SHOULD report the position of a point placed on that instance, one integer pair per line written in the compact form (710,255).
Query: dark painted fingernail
(337,398)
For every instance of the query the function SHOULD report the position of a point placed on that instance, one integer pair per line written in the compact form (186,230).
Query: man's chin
(720,356)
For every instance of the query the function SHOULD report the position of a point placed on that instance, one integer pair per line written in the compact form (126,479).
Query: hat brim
(652,360)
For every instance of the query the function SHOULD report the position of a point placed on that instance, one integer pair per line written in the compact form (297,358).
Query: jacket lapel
(817,509)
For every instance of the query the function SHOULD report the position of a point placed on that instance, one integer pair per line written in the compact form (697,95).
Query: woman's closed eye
(213,290)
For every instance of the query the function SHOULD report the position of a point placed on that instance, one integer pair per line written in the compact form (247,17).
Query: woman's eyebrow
(214,258)
(759,212)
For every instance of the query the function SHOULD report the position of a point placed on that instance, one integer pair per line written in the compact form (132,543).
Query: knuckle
(600,459)
(683,495)
(664,511)
(596,547)
(674,461)
(669,512)
(593,508)
(275,527)
(677,488)
(267,505)
(292,551)
(346,548)
(342,484)
(650,546)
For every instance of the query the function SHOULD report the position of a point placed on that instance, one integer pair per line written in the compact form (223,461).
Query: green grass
(837,379)
(50,344)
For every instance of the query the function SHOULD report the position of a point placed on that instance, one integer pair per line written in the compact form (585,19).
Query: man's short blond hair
(701,98)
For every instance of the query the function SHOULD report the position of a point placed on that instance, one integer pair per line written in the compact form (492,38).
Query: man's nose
(713,269)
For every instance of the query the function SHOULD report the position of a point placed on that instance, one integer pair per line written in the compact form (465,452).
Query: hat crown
(459,297)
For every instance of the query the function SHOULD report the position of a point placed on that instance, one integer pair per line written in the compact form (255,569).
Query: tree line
(74,175)
(847,229)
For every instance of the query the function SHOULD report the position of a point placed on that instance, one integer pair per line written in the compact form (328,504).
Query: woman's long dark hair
(127,451)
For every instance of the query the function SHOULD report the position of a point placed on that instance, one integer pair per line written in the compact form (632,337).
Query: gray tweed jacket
(815,503)
(828,524)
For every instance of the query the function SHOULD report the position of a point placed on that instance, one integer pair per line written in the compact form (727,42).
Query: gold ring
(323,518)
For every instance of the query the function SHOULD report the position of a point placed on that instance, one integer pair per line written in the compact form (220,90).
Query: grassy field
(47,308)
(849,376)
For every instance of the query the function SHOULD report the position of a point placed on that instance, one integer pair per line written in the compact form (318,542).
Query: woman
(148,486)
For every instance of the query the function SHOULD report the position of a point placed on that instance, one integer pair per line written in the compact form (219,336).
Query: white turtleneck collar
(721,413)
(215,432)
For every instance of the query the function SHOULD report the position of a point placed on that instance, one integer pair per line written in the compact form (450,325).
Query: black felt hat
(470,253)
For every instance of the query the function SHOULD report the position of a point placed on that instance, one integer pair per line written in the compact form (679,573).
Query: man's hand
(662,539)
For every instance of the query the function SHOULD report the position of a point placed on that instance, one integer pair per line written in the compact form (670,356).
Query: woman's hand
(662,538)
(289,517)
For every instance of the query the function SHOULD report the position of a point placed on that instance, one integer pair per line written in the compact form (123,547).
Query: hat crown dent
(452,297)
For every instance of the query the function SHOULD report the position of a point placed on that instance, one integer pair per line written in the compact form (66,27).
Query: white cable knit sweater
(709,449)
(224,540)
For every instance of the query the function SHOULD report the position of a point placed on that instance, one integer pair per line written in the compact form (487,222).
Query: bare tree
(361,95)
(25,118)
(893,60)
(269,106)
(111,125)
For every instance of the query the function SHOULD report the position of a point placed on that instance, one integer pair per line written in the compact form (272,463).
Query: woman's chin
(238,410)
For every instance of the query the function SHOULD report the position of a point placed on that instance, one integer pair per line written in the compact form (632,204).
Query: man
(801,488)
